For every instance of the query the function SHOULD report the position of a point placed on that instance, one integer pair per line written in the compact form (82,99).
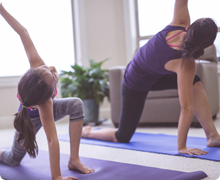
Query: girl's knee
(7,159)
(14,163)
(76,109)
(76,104)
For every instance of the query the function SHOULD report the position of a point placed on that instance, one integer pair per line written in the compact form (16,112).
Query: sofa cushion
(163,94)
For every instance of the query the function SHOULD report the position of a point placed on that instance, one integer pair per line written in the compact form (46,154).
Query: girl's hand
(192,151)
(66,178)
(1,6)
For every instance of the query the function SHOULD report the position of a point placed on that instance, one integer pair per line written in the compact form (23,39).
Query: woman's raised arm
(181,14)
(32,54)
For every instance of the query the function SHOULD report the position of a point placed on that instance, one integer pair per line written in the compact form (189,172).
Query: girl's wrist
(57,178)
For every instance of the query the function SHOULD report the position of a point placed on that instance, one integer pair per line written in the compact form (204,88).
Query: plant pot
(91,110)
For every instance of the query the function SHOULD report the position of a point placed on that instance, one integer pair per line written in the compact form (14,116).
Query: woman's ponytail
(192,52)
(24,126)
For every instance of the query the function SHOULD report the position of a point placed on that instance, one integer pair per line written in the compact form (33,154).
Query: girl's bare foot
(214,141)
(85,132)
(78,166)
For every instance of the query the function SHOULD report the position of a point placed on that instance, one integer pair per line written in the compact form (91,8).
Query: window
(153,16)
(49,23)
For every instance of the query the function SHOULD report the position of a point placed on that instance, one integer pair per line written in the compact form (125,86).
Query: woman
(36,91)
(167,61)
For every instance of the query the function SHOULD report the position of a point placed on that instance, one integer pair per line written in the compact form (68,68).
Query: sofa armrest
(208,72)
(116,74)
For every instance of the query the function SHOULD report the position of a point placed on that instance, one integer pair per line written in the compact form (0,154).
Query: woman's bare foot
(78,166)
(214,141)
(85,132)
(107,134)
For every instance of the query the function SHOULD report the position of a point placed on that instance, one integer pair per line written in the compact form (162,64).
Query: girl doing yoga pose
(36,91)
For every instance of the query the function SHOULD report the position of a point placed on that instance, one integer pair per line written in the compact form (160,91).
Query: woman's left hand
(192,151)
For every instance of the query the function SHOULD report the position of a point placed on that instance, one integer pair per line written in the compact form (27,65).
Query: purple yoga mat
(39,169)
(156,143)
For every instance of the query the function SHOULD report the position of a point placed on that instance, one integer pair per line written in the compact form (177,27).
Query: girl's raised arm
(32,54)
(181,14)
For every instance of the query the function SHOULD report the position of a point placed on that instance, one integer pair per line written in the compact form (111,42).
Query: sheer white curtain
(49,23)
(155,15)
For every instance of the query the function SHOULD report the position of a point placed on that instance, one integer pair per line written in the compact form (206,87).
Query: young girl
(36,91)
(167,61)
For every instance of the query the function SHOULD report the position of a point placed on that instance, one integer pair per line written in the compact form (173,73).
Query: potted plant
(89,84)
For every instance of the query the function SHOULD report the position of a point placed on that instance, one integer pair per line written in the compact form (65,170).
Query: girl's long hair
(32,90)
(199,36)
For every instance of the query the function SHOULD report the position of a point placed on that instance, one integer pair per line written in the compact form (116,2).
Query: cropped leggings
(133,104)
(61,107)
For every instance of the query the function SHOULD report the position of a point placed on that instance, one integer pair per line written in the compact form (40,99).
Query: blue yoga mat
(39,169)
(157,143)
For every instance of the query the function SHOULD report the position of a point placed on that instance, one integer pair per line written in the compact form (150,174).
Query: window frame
(139,38)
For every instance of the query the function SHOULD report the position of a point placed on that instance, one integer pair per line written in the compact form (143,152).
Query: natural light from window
(154,15)
(49,23)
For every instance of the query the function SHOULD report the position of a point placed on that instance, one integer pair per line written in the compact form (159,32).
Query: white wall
(106,32)
(103,37)
(9,103)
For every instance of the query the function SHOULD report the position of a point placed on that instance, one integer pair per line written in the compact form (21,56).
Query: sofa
(162,108)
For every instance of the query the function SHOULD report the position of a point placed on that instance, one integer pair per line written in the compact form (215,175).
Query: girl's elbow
(52,141)
(23,32)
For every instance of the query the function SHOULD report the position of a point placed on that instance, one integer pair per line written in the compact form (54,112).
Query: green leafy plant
(86,83)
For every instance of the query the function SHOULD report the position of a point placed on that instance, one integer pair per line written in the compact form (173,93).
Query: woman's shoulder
(172,27)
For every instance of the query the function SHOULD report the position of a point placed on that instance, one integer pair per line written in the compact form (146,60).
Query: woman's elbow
(188,109)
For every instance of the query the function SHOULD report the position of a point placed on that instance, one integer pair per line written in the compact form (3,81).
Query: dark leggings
(133,104)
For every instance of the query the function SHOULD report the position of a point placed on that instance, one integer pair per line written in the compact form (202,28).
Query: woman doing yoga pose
(167,61)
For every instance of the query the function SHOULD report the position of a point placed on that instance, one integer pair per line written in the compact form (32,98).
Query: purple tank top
(147,66)
(32,113)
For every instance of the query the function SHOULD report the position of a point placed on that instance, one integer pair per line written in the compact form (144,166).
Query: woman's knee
(120,137)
